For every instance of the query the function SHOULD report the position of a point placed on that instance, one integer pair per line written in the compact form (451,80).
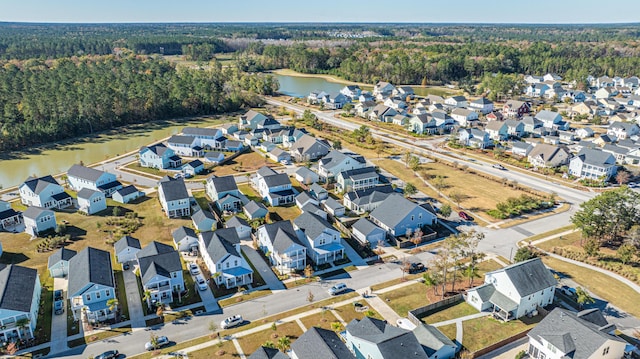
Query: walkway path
(263,268)
(383,308)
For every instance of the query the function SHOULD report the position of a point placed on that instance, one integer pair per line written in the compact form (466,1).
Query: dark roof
(320,343)
(279,179)
(197,131)
(37,185)
(183,232)
(365,226)
(201,215)
(195,164)
(87,173)
(154,248)
(282,235)
(17,284)
(9,213)
(126,241)
(158,259)
(87,193)
(394,209)
(268,353)
(124,191)
(62,254)
(236,221)
(370,195)
(529,277)
(220,243)
(34,212)
(392,342)
(174,190)
(223,184)
(159,148)
(183,140)
(312,225)
(90,266)
(596,157)
(360,173)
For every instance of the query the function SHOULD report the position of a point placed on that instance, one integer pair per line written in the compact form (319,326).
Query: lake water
(295,86)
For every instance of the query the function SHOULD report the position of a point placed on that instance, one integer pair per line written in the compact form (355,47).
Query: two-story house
(255,120)
(80,177)
(19,302)
(10,219)
(383,90)
(38,220)
(551,119)
(456,102)
(565,334)
(221,254)
(335,162)
(91,201)
(274,187)
(497,130)
(593,164)
(185,146)
(323,242)
(160,272)
(204,220)
(366,200)
(514,108)
(308,148)
(185,239)
(398,216)
(280,243)
(208,138)
(224,192)
(44,192)
(482,105)
(174,198)
(544,155)
(91,285)
(351,91)
(474,137)
(623,130)
(464,117)
(241,226)
(357,179)
(514,291)
(158,156)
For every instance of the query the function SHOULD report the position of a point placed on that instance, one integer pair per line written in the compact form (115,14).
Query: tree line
(45,101)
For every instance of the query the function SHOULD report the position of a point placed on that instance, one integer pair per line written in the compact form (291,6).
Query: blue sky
(474,11)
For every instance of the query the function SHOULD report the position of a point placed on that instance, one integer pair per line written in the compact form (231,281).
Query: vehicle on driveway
(568,291)
(414,268)
(194,269)
(57,295)
(58,307)
(111,354)
(465,216)
(231,322)
(201,283)
(160,343)
(338,288)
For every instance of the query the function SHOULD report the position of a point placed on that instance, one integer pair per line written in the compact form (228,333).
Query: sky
(416,11)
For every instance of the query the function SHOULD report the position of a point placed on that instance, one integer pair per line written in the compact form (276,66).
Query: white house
(280,243)
(126,249)
(160,272)
(44,192)
(464,117)
(91,201)
(274,187)
(335,162)
(593,164)
(306,176)
(514,291)
(482,105)
(127,194)
(456,101)
(185,146)
(221,254)
(38,220)
(185,239)
(208,138)
(174,198)
(80,177)
(323,242)
(91,285)
(623,130)
(20,291)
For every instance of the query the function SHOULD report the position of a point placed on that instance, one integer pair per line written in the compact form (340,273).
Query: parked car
(568,291)
(58,306)
(499,166)
(285,162)
(414,268)
(202,284)
(160,342)
(111,354)
(337,289)
(231,321)
(194,269)
(126,266)
(465,216)
(57,295)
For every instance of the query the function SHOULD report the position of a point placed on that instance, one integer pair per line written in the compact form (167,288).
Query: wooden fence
(415,314)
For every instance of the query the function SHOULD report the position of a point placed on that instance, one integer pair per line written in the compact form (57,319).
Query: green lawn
(481,332)
(251,342)
(348,312)
(404,299)
(280,213)
(245,297)
(449,330)
(224,350)
(458,310)
(43,326)
(108,333)
(121,293)
(322,320)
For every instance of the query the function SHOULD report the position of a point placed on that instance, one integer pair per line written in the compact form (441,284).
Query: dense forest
(45,101)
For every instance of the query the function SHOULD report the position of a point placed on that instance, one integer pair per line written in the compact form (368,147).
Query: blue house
(254,210)
(20,292)
(234,146)
(38,220)
(193,168)
(90,201)
(224,192)
(91,285)
(127,194)
(213,157)
(44,192)
(159,156)
(204,220)
(399,216)
(58,262)
(80,177)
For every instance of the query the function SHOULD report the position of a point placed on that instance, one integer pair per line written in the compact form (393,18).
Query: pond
(296,86)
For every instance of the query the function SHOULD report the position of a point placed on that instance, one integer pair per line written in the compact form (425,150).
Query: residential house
(333,207)
(382,113)
(367,233)
(320,343)
(605,139)
(530,124)
(204,220)
(38,220)
(618,152)
(281,245)
(335,101)
(474,137)
(306,176)
(44,192)
(399,216)
(584,132)
(514,291)
(604,81)
(593,164)
(421,124)
(551,77)
(174,198)
(160,272)
(395,104)
(308,148)
(80,177)
(252,140)
(631,82)
(255,210)
(444,122)
(253,120)
(274,187)
(279,155)
(303,198)
(268,353)
(367,200)
(548,156)
(228,128)
(363,108)
(234,146)
(241,226)
(403,92)
(482,105)
(497,130)
(515,128)
(58,262)
(10,219)
(606,92)
(574,96)
(318,192)
(90,201)
(514,108)
(351,91)
(537,90)
(582,109)
(185,239)
(623,130)
(213,157)
(566,136)
(323,242)
(464,117)
(193,168)
(521,148)
(224,192)
(221,254)
(20,291)
(383,90)
(434,342)
(366,96)
(551,119)
(495,116)
(210,138)
(126,249)
(185,146)
(456,102)
(91,285)
(565,334)
(127,194)
(357,179)
(316,97)
(158,156)
(533,79)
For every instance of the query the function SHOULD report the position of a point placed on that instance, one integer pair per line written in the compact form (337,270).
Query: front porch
(235,277)
(328,253)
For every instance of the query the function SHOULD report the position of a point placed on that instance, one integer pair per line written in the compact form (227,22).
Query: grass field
(461,309)
(322,320)
(224,350)
(406,298)
(481,332)
(249,296)
(247,162)
(251,342)
(348,312)
(449,330)
(550,233)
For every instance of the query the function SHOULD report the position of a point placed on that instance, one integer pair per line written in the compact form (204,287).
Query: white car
(202,284)
(337,289)
(231,321)
(160,342)
(194,269)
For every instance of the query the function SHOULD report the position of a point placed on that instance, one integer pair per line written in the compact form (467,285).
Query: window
(107,292)
(227,264)
(235,263)
(97,295)
(412,217)
(88,297)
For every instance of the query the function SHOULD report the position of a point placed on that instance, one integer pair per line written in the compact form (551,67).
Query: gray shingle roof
(365,226)
(431,338)
(90,174)
(312,225)
(86,193)
(265,171)
(394,209)
(370,195)
(174,190)
(282,235)
(158,259)
(37,185)
(125,242)
(360,173)
(33,212)
(304,171)
(154,248)
(197,131)
(596,157)
(90,266)
(223,184)
(182,232)
(62,254)
(183,140)
(17,284)
(320,343)
(333,204)
(159,148)
(124,191)
(253,206)
(529,277)
(236,221)
(201,215)
(220,243)
(392,342)
(268,353)
(279,179)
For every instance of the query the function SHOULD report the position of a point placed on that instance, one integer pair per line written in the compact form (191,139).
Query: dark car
(465,216)
(111,354)
(414,268)
(58,307)
(57,295)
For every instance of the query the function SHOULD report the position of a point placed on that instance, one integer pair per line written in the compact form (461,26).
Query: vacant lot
(224,350)
(247,162)
(406,298)
(322,320)
(253,341)
(348,312)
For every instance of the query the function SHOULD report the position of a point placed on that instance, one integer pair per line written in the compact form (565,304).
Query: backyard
(481,332)
(246,162)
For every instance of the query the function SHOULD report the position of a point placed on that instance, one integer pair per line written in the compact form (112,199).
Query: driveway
(208,300)
(263,268)
(136,314)
(59,322)
(354,257)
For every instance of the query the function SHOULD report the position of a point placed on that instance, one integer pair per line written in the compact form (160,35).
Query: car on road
(337,289)
(231,322)
(632,184)
(465,216)
(499,166)
(194,269)
(58,306)
(414,268)
(202,284)
(160,342)
(110,354)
